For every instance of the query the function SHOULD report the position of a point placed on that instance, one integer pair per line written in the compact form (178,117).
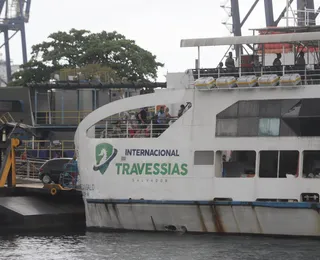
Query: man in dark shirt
(230,62)
(142,116)
(277,61)
(301,61)
(181,110)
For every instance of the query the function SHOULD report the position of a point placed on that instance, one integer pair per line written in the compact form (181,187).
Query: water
(151,246)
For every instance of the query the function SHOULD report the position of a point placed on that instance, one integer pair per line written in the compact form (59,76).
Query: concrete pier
(32,208)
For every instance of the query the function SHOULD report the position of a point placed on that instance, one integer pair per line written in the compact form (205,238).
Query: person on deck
(168,116)
(162,120)
(142,117)
(277,61)
(230,62)
(300,60)
(142,121)
(181,110)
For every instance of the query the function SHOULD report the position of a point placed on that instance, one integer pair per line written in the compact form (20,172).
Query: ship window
(269,126)
(203,157)
(278,164)
(311,164)
(289,163)
(248,108)
(235,164)
(227,127)
(270,108)
(248,126)
(268,164)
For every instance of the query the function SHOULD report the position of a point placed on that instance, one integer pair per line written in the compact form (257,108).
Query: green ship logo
(105,153)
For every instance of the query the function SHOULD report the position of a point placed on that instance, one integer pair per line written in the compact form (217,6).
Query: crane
(14,14)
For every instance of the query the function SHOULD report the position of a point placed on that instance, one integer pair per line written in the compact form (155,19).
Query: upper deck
(255,53)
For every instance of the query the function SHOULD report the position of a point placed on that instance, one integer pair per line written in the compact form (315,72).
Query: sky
(157,26)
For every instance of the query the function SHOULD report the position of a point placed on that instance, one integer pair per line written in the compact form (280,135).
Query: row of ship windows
(272,164)
(249,127)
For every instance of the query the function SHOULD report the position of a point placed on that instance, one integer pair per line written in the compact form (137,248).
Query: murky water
(151,246)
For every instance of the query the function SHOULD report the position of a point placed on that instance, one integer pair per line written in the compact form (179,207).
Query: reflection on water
(151,246)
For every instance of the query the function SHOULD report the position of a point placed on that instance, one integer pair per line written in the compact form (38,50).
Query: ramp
(34,213)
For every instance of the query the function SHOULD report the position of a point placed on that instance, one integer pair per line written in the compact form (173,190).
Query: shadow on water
(153,246)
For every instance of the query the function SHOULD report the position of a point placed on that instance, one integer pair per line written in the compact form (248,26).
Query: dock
(28,205)
(31,207)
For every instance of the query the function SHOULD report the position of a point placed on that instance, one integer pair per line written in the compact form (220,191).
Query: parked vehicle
(51,170)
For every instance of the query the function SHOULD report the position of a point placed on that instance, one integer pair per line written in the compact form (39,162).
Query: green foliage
(32,72)
(108,54)
(90,72)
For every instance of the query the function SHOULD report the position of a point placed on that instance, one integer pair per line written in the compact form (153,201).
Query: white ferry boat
(243,158)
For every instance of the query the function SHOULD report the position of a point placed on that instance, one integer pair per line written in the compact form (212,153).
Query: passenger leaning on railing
(142,123)
(117,131)
(168,116)
(132,125)
(162,119)
(142,117)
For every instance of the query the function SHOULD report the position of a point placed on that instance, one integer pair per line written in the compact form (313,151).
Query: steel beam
(27,12)
(24,43)
(2,2)
(249,12)
(317,13)
(268,9)
(236,26)
(282,14)
(77,85)
(7,50)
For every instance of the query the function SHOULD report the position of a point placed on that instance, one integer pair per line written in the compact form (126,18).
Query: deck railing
(46,149)
(133,129)
(310,74)
(61,117)
(6,118)
(58,117)
(28,168)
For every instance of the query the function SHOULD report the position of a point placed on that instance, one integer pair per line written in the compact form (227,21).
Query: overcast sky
(157,26)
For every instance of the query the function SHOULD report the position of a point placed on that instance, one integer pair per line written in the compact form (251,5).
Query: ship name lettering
(152,169)
(151,152)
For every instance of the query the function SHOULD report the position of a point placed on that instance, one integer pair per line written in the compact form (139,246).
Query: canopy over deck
(260,39)
(288,29)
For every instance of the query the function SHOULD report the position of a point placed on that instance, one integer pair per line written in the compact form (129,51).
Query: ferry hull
(233,219)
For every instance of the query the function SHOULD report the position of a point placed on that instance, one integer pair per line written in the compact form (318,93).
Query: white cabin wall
(178,80)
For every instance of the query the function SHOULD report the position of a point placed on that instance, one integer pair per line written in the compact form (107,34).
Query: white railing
(133,129)
(306,17)
(28,168)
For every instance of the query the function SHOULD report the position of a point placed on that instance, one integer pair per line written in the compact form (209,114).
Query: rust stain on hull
(258,222)
(116,212)
(153,224)
(217,219)
(235,220)
(107,208)
(201,218)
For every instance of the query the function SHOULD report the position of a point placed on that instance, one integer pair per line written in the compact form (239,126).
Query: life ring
(53,191)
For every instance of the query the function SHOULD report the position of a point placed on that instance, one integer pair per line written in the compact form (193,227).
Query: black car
(50,171)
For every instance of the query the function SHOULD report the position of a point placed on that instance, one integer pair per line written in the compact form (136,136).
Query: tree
(78,49)
(32,72)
